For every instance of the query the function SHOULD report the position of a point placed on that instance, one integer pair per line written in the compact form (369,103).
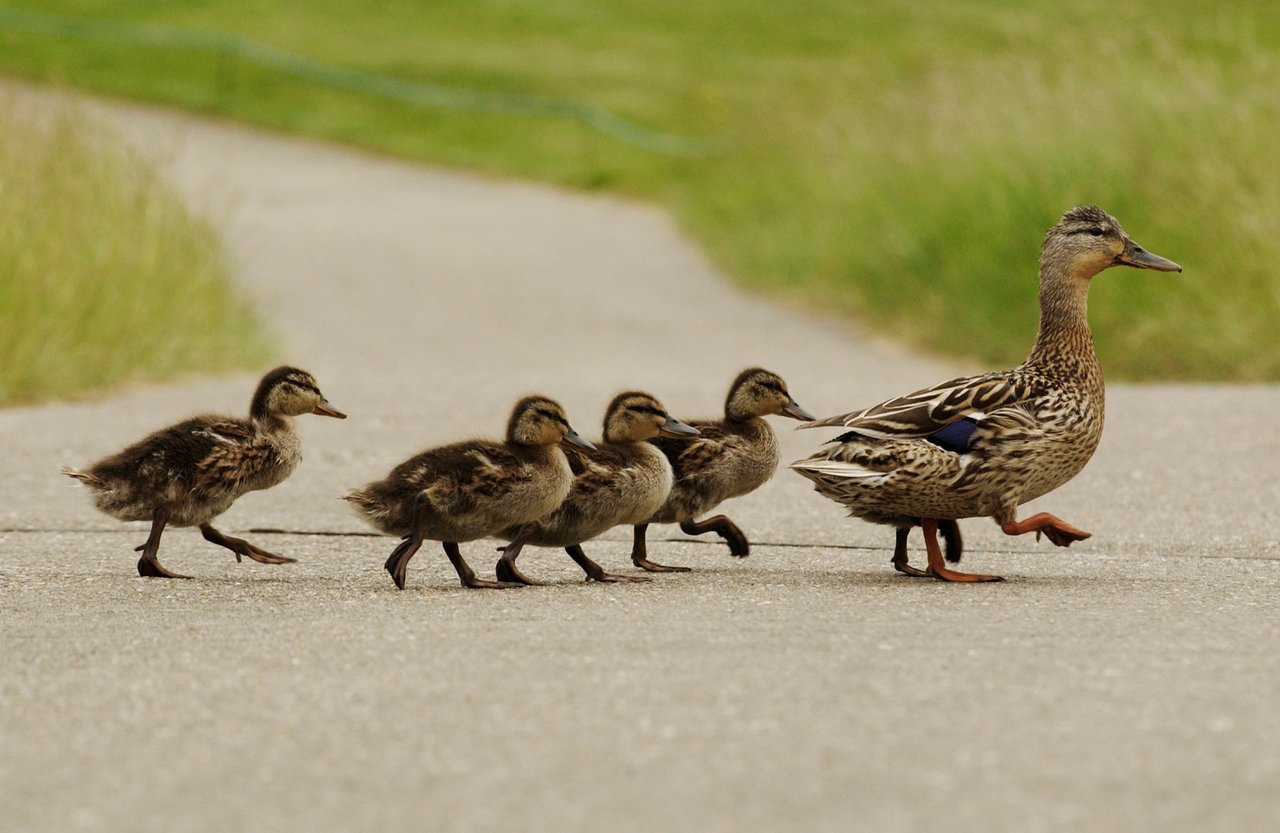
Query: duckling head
(537,420)
(1088,240)
(288,391)
(758,392)
(634,416)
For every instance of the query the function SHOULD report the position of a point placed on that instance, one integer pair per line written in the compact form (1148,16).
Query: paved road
(1125,684)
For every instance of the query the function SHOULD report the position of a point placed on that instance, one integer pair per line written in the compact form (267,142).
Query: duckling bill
(473,489)
(191,472)
(985,445)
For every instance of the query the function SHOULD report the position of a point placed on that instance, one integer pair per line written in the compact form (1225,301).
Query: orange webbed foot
(1055,529)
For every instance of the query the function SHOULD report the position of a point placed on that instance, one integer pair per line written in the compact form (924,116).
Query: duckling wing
(195,455)
(694,457)
(579,460)
(593,471)
(233,455)
(925,412)
(463,478)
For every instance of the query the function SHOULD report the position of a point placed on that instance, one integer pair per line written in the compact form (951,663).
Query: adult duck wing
(924,412)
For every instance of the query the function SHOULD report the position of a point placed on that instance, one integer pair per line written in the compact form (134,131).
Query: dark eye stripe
(553,416)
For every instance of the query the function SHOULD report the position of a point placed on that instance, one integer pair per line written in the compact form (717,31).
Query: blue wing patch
(955,437)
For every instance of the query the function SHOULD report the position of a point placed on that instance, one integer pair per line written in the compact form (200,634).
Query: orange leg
(937,567)
(1056,530)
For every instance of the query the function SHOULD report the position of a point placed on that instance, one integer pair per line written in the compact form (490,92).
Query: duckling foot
(150,568)
(739,547)
(148,565)
(397,563)
(484,584)
(468,576)
(506,569)
(654,567)
(937,569)
(594,571)
(1055,529)
(640,555)
(240,547)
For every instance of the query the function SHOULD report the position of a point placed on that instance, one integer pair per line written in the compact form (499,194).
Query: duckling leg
(240,547)
(1055,529)
(465,572)
(399,559)
(506,570)
(899,559)
(725,528)
(936,567)
(640,554)
(148,565)
(593,570)
(398,562)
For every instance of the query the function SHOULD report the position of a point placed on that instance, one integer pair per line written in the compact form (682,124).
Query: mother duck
(984,445)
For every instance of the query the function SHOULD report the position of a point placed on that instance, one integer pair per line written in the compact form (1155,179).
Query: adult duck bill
(1139,258)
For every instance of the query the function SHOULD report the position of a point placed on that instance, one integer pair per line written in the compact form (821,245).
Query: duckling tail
(384,514)
(84,477)
(365,502)
(369,505)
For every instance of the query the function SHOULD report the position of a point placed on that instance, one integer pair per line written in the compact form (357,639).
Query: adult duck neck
(1064,338)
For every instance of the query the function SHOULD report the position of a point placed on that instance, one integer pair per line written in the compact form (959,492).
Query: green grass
(105,278)
(895,162)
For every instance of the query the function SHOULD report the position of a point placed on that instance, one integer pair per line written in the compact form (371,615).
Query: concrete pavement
(1124,684)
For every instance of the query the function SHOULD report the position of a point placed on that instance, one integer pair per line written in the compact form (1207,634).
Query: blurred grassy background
(104,276)
(896,163)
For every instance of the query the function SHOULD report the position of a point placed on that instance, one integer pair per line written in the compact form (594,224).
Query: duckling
(984,445)
(729,458)
(191,472)
(473,489)
(623,481)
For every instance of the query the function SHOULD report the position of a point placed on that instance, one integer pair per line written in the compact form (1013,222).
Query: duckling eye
(1095,231)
